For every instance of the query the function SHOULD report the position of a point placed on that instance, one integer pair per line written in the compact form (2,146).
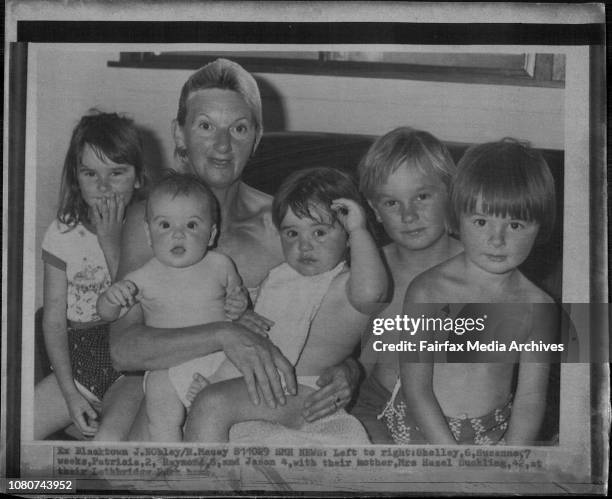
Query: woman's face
(219,135)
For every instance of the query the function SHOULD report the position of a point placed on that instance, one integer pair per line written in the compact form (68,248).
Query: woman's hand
(256,323)
(259,361)
(338,383)
(83,415)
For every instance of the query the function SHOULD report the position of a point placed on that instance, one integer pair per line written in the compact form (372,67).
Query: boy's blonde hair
(404,146)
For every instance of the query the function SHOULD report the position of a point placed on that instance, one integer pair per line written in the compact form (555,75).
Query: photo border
(13,260)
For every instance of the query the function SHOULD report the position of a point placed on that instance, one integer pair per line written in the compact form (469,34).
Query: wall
(71,80)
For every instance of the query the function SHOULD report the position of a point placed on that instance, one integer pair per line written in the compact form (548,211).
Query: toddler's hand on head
(123,293)
(350,214)
(236,302)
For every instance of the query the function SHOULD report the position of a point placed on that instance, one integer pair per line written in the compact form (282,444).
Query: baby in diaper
(184,284)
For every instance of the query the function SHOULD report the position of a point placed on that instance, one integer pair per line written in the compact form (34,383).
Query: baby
(318,302)
(182,285)
(502,202)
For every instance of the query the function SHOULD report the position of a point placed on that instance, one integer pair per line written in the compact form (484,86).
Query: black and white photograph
(304,248)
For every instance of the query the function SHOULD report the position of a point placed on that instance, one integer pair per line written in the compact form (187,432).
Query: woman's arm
(135,346)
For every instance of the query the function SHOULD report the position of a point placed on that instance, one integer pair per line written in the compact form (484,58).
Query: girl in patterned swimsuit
(103,170)
(502,202)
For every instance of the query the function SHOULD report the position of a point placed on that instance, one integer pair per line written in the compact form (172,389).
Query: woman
(218,127)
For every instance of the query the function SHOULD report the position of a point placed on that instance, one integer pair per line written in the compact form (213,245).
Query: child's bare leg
(165,411)
(221,405)
(50,409)
(139,432)
(119,408)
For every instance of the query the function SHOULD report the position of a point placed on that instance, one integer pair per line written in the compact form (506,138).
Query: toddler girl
(405,176)
(102,171)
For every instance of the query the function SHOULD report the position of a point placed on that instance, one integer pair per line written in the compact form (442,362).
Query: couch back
(281,153)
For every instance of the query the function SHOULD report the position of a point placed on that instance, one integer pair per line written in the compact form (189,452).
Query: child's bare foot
(198,384)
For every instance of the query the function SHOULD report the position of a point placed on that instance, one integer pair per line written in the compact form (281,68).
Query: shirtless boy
(502,201)
(406,178)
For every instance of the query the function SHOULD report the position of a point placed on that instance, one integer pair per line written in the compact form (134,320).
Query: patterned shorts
(371,400)
(483,430)
(90,358)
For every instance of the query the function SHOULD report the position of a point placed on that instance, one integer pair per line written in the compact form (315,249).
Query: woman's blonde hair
(226,75)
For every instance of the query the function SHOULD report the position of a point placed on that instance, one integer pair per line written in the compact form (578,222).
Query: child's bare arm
(120,295)
(368,284)
(529,403)
(56,341)
(416,374)
(108,218)
(417,387)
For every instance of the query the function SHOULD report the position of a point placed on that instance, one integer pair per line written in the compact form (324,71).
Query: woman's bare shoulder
(256,212)
(254,199)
